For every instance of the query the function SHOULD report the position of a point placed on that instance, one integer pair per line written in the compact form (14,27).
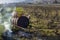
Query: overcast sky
(12,1)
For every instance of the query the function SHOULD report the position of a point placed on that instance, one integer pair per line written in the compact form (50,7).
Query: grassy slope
(1,30)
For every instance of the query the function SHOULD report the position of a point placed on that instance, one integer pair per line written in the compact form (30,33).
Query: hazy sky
(12,1)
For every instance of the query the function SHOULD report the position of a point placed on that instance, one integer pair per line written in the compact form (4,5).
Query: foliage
(43,18)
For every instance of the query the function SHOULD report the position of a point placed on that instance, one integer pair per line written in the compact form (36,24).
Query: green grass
(1,28)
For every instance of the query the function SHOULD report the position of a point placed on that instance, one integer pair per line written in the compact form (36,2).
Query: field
(44,21)
(1,30)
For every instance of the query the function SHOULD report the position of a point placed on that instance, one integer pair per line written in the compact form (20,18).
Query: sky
(12,1)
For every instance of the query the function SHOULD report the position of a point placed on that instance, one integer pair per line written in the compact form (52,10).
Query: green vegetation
(1,29)
(44,19)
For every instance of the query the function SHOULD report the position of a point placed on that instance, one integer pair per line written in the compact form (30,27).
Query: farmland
(45,20)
